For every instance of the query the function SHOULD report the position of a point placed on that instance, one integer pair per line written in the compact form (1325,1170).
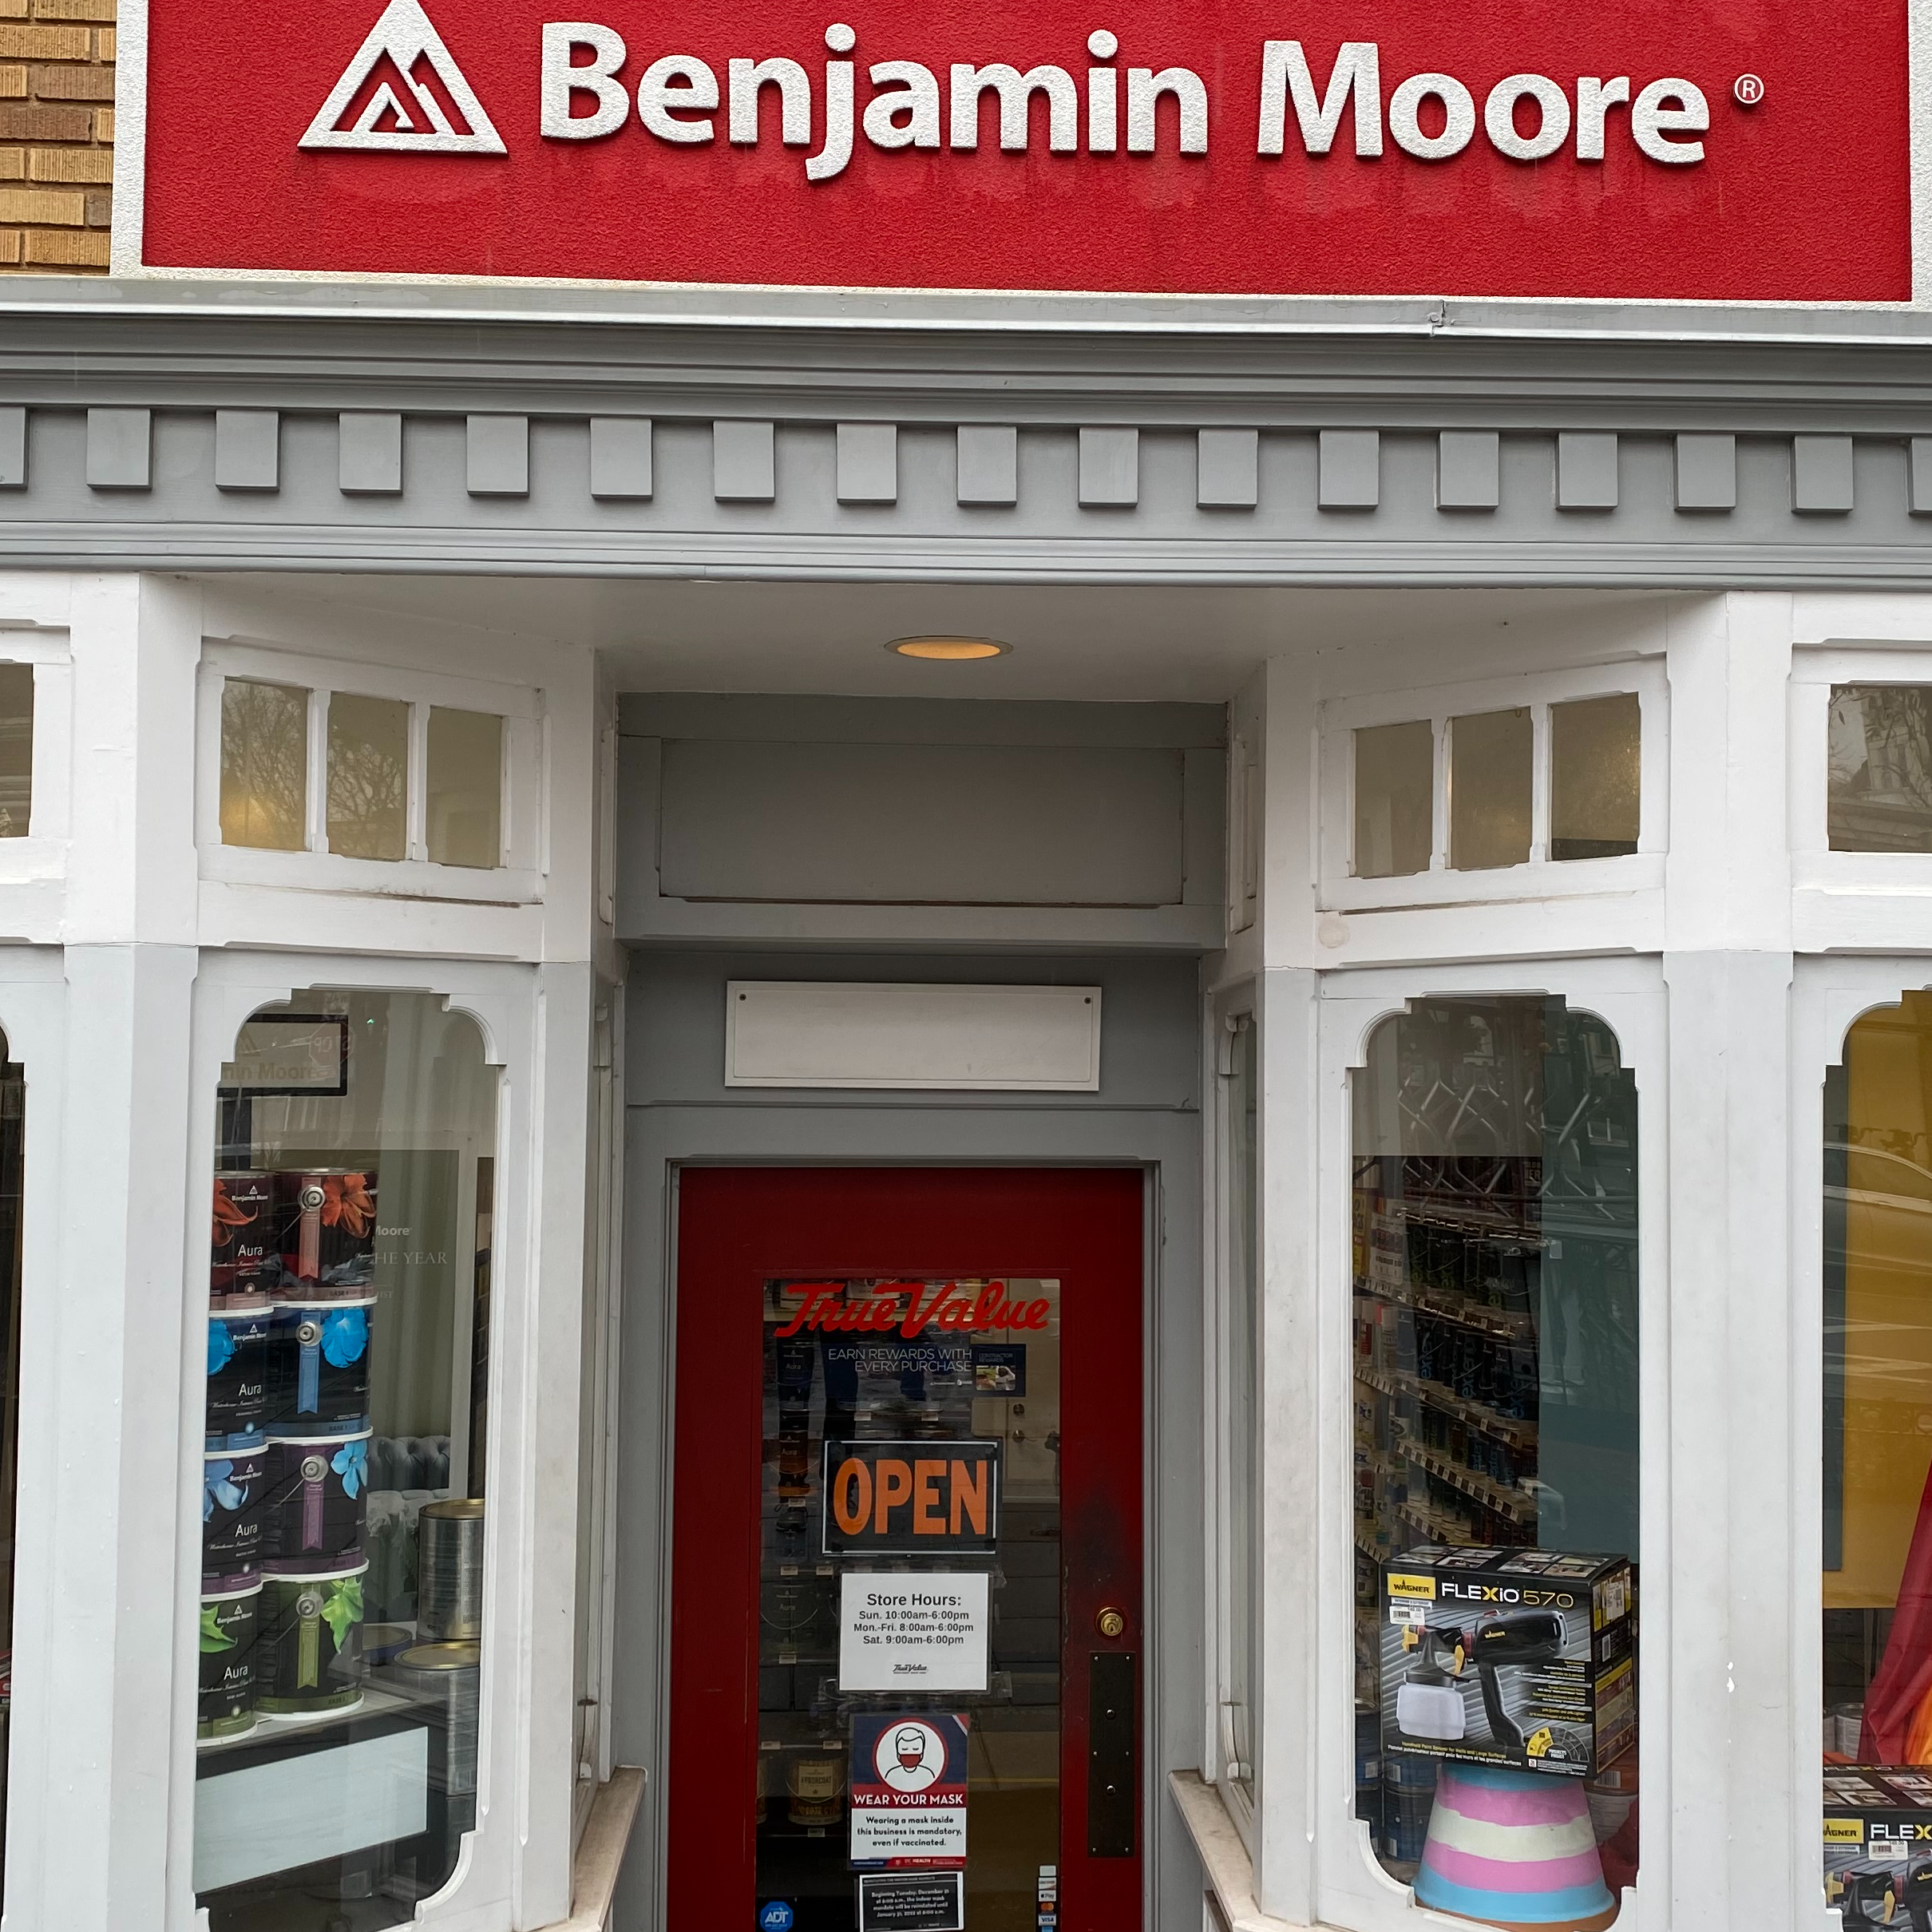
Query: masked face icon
(911,1746)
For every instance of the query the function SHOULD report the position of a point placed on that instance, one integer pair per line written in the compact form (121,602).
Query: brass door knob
(1110,1622)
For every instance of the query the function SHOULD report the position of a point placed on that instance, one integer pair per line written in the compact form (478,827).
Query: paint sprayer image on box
(1512,1656)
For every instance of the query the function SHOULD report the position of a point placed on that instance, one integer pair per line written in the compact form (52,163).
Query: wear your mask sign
(909,1792)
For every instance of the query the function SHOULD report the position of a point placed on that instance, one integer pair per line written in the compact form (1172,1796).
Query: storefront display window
(1881,768)
(264,764)
(12,1109)
(1496,1458)
(342,1508)
(16,750)
(1876,1718)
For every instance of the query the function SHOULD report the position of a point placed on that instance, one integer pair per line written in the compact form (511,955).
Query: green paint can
(308,1653)
(229,1626)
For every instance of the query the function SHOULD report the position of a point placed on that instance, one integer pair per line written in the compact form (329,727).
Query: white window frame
(1540,878)
(1225,1013)
(518,879)
(1351,1889)
(1847,899)
(515,1867)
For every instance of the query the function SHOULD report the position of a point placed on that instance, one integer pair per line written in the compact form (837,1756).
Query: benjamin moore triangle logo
(403,111)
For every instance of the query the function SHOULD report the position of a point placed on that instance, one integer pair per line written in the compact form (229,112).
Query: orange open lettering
(927,1520)
(893,1485)
(852,1496)
(969,1495)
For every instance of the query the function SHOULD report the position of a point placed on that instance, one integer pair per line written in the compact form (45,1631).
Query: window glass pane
(369,770)
(12,1109)
(342,1511)
(1495,1271)
(1244,1437)
(1595,774)
(1881,768)
(1877,1455)
(1395,800)
(1489,790)
(465,816)
(16,749)
(264,764)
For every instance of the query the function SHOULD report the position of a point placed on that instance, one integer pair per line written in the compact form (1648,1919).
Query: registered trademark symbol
(1749,90)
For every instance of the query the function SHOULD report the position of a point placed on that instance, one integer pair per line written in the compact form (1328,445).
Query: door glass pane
(465,798)
(1877,1718)
(1489,789)
(342,1510)
(1880,754)
(369,770)
(264,764)
(1595,776)
(872,1682)
(1495,1393)
(1395,800)
(1244,1436)
(16,749)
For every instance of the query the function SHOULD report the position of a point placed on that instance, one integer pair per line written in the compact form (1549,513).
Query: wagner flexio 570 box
(1879,1843)
(1521,1657)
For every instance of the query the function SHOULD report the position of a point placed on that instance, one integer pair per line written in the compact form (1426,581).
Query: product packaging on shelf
(319,1365)
(1508,1657)
(245,1256)
(306,1658)
(1879,1843)
(229,1620)
(315,1500)
(237,1373)
(328,1218)
(231,1520)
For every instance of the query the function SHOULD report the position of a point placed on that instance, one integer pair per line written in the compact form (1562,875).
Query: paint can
(383,1643)
(245,1250)
(449,1570)
(319,1363)
(237,1405)
(232,1515)
(816,1788)
(226,1705)
(448,1679)
(328,1217)
(315,1499)
(306,1655)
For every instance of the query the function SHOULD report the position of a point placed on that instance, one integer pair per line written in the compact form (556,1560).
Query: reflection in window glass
(16,749)
(1242,1291)
(1595,777)
(12,1109)
(1880,753)
(264,764)
(343,1512)
(1489,760)
(1877,1455)
(1395,800)
(1495,1272)
(465,798)
(369,770)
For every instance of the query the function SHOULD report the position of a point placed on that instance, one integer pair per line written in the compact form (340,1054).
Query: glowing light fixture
(949,649)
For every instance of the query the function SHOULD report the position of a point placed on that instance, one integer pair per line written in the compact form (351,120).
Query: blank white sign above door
(848,1034)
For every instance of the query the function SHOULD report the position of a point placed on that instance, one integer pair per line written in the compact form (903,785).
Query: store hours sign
(1634,149)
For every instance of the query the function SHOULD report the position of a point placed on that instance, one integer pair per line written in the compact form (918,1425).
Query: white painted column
(1718,1848)
(94,1649)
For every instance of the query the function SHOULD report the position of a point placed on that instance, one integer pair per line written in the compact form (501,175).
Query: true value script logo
(403,90)
(910,1307)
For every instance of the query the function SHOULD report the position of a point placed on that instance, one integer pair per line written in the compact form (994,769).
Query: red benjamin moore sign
(1741,150)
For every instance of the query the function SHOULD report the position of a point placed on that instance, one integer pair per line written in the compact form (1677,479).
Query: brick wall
(57,134)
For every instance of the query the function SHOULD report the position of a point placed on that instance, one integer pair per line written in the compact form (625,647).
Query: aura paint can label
(232,1481)
(237,1374)
(315,1500)
(245,1250)
(319,1363)
(230,1624)
(329,1229)
(307,1652)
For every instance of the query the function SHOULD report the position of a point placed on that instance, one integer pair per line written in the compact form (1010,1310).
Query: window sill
(600,1856)
(1224,1858)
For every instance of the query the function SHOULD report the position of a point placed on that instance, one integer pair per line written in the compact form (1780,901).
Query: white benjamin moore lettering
(403,39)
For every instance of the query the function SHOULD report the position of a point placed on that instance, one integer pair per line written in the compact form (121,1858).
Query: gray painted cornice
(203,424)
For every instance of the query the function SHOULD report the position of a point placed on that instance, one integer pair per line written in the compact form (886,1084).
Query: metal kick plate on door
(1112,1769)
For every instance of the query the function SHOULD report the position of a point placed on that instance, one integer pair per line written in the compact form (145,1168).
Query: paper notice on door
(899,1632)
(908,1790)
(934,1902)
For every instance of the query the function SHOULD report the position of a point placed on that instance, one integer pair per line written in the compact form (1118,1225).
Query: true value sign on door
(1632,149)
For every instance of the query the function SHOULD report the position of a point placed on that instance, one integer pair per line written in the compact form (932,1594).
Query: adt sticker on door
(900,1631)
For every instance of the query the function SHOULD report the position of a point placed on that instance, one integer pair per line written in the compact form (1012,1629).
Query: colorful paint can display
(329,1229)
(448,1678)
(306,1655)
(237,1373)
(245,1256)
(229,1624)
(319,1363)
(449,1570)
(231,1513)
(316,1500)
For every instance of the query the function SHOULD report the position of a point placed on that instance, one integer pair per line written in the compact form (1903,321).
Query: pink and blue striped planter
(1514,1849)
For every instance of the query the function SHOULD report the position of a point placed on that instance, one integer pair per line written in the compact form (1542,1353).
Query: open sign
(919,1499)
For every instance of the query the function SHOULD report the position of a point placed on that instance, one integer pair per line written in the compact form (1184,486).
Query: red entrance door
(906,1629)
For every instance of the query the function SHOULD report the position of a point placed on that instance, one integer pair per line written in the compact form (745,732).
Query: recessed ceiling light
(951,650)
